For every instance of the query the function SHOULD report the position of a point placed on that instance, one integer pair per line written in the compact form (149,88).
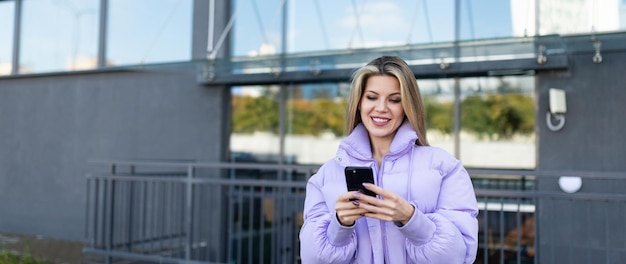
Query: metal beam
(17,26)
(102,33)
(461,69)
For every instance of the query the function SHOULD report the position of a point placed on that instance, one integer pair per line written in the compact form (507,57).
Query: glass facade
(498,122)
(313,117)
(64,41)
(438,96)
(258,27)
(255,124)
(62,35)
(141,32)
(311,25)
(6,37)
(480,19)
(496,117)
(315,121)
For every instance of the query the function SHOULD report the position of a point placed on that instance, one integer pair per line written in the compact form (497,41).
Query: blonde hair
(409,92)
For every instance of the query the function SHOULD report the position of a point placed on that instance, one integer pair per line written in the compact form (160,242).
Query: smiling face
(381,107)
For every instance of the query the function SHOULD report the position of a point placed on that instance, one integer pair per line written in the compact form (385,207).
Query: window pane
(498,122)
(581,16)
(6,36)
(144,32)
(314,25)
(438,96)
(258,28)
(315,121)
(58,35)
(254,129)
(481,19)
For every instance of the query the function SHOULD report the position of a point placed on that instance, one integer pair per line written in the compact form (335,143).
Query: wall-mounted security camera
(558,108)
(558,105)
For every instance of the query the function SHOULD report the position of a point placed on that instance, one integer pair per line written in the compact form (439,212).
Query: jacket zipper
(382,223)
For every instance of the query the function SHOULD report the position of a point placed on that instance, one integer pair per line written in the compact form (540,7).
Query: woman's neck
(380,147)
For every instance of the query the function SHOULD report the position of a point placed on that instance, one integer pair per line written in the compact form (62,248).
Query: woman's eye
(395,101)
(371,98)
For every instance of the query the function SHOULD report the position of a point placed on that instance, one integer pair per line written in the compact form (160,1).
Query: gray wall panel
(51,126)
(592,140)
(593,136)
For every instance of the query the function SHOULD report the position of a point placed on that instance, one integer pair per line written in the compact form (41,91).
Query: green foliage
(254,114)
(304,117)
(438,115)
(497,116)
(10,258)
(327,116)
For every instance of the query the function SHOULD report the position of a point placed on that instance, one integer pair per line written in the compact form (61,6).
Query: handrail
(164,206)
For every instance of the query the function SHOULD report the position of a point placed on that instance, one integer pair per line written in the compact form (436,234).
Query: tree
(499,116)
(252,114)
(438,115)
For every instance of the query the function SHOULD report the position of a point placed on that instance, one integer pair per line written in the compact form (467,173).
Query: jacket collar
(357,144)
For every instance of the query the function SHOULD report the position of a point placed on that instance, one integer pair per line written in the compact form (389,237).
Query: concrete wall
(50,126)
(593,139)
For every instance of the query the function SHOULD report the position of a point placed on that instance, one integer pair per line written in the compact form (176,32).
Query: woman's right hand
(348,211)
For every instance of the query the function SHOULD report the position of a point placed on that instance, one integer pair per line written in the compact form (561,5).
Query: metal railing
(188,212)
(178,212)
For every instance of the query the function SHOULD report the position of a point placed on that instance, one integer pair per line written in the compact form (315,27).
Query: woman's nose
(381,106)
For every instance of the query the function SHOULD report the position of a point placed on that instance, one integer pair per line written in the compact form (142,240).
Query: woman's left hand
(391,208)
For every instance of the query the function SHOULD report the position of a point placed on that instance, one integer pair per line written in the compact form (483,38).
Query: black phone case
(356,176)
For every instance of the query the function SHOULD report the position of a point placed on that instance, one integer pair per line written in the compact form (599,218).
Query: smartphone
(356,176)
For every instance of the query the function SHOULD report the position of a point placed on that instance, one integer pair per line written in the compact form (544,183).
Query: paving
(47,249)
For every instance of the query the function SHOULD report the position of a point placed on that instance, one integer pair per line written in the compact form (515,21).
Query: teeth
(380,120)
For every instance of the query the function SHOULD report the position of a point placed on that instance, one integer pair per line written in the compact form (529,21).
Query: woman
(425,210)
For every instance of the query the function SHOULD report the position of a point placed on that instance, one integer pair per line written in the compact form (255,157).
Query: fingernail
(366,184)
(356,195)
(356,203)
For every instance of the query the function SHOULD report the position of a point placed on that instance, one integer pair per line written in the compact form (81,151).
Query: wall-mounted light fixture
(570,184)
(558,108)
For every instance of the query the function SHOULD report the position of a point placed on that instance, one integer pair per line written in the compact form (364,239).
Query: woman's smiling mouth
(379,120)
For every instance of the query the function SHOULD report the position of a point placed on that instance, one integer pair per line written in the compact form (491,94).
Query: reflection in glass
(498,122)
(314,25)
(254,133)
(258,29)
(483,19)
(144,32)
(575,17)
(6,36)
(58,35)
(315,121)
(438,96)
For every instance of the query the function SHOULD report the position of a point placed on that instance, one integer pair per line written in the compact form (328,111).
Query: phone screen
(356,176)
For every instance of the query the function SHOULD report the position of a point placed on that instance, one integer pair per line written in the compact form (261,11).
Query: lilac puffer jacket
(443,229)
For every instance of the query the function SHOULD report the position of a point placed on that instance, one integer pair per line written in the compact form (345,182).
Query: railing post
(131,209)
(189,211)
(110,195)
